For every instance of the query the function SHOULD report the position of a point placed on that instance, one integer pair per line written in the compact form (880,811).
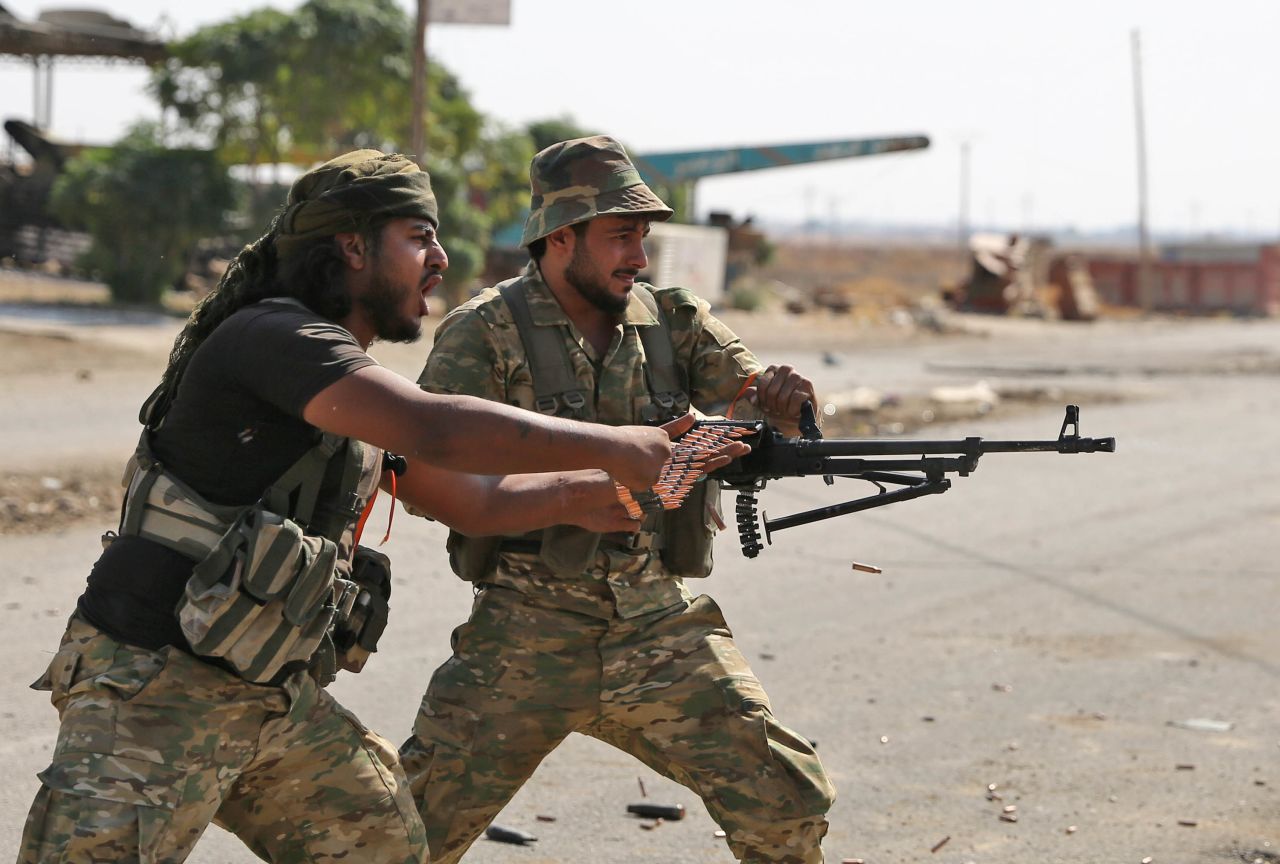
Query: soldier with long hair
(190,681)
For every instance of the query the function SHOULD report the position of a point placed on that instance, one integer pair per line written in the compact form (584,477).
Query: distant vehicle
(25,221)
(28,233)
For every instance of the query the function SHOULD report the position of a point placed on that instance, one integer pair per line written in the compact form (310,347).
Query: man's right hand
(642,452)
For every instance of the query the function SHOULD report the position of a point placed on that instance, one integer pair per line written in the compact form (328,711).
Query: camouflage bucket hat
(332,197)
(577,180)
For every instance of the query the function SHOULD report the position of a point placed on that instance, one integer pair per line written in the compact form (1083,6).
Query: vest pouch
(263,597)
(472,558)
(568,550)
(313,583)
(356,634)
(689,531)
(161,508)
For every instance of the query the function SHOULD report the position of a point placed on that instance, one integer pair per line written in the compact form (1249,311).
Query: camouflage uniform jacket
(478,352)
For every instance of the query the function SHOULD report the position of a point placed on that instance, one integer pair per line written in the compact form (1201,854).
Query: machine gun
(881,462)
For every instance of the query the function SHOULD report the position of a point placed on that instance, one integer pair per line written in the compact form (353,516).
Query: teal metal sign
(677,167)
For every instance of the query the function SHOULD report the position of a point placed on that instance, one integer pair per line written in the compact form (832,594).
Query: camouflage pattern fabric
(478,352)
(622,652)
(153,745)
(577,180)
(669,687)
(334,197)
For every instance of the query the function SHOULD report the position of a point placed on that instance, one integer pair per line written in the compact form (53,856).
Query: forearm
(470,434)
(474,435)
(480,505)
(526,502)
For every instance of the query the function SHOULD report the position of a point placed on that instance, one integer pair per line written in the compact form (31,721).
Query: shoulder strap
(554,383)
(304,477)
(660,370)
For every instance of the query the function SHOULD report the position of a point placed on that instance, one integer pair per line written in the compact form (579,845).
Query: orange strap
(391,513)
(751,379)
(368,508)
(364,517)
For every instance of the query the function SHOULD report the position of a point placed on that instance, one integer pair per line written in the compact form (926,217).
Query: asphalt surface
(1094,636)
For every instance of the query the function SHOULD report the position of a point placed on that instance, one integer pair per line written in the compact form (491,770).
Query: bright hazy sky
(1043,91)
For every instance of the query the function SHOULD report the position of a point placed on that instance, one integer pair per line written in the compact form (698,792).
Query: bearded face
(590,280)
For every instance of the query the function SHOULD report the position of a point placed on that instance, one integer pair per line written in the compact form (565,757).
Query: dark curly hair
(313,275)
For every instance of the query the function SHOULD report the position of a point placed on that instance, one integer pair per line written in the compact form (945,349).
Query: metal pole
(418,126)
(962,222)
(36,101)
(48,92)
(1146,298)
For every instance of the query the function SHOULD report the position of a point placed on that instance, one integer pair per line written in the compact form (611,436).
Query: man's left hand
(778,392)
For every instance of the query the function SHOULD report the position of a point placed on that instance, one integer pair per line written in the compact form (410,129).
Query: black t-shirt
(234,427)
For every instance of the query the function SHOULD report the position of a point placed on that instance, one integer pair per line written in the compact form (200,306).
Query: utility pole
(962,220)
(42,91)
(418,126)
(1146,298)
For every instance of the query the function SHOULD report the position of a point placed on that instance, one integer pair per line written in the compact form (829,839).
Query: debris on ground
(1203,724)
(36,503)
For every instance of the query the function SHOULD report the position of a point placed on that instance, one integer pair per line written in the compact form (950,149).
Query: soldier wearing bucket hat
(574,630)
(190,681)
(578,180)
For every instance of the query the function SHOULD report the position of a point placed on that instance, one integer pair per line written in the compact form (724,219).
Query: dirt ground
(34,349)
(57,495)
(1093,636)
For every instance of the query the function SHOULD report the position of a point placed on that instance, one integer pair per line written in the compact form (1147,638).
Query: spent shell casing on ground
(657,811)
(508,835)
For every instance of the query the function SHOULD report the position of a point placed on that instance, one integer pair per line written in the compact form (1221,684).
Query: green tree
(225,84)
(145,206)
(332,76)
(546,132)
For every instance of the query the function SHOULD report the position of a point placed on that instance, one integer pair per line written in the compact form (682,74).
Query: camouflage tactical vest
(682,538)
(273,586)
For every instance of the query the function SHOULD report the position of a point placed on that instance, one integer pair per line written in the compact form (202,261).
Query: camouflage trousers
(154,745)
(670,688)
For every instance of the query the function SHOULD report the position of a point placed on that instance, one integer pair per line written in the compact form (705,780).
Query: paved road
(1044,627)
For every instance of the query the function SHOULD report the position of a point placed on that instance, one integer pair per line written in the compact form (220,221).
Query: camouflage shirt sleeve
(717,362)
(463,359)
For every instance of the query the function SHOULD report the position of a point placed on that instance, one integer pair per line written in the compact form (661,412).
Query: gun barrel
(964,446)
(1068,444)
